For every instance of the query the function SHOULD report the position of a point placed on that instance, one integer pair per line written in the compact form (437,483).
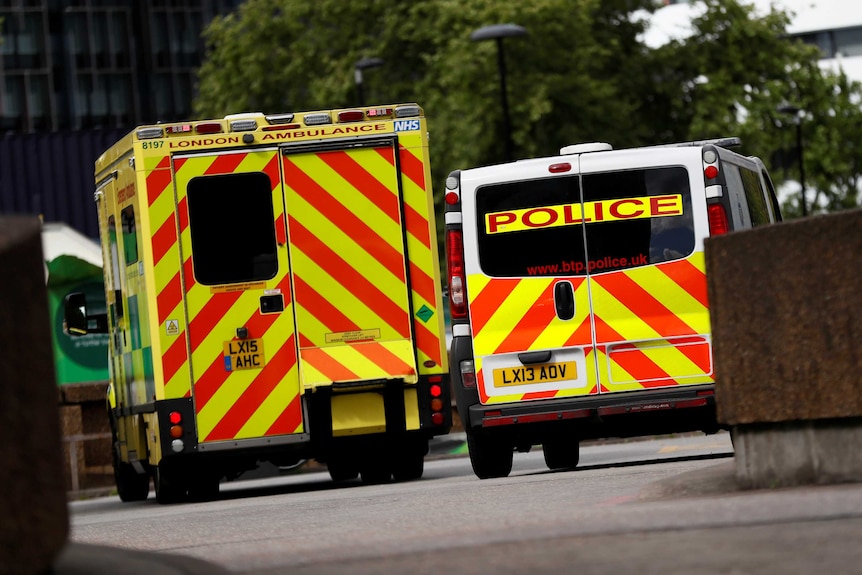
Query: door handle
(564,300)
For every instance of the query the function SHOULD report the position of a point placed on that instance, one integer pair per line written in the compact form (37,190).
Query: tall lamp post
(498,32)
(794,111)
(361,65)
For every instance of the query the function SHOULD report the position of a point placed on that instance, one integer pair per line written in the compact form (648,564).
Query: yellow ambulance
(578,293)
(273,295)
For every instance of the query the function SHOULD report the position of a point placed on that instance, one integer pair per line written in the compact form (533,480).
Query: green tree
(581,74)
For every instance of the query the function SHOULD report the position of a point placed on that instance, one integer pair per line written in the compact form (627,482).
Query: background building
(77,74)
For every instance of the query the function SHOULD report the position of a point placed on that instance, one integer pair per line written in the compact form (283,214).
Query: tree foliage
(581,74)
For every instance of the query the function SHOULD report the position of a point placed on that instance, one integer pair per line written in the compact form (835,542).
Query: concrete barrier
(786,312)
(35,521)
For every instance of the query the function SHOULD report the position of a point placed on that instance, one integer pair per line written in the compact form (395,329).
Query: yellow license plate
(532,374)
(243,354)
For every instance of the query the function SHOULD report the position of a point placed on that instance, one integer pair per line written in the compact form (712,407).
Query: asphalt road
(667,506)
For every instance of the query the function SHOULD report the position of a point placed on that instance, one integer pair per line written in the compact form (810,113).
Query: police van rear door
(646,266)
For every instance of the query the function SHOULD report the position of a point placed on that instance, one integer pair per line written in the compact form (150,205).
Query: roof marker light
(379,112)
(407,111)
(179,129)
(560,168)
(317,119)
(149,133)
(243,125)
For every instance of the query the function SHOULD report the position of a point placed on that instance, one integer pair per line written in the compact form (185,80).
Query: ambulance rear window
(232,228)
(537,227)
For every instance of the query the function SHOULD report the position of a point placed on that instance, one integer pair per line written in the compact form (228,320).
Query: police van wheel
(561,453)
(490,456)
(168,485)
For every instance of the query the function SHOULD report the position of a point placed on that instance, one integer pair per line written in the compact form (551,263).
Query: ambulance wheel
(408,466)
(204,488)
(561,453)
(169,488)
(408,458)
(341,470)
(131,485)
(490,456)
(374,467)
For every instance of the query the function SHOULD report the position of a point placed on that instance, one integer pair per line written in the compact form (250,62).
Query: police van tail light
(436,392)
(455,264)
(717,219)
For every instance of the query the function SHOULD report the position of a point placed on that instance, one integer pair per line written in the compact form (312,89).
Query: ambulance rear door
(348,252)
(239,307)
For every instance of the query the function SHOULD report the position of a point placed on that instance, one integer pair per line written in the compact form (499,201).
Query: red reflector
(437,418)
(710,172)
(351,116)
(280,127)
(176,431)
(208,128)
(175,417)
(452,198)
(706,392)
(435,378)
(717,219)
(493,413)
(559,168)
(436,390)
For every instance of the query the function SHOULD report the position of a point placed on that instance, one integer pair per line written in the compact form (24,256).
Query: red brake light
(717,219)
(457,287)
(208,128)
(710,172)
(436,390)
(175,417)
(351,116)
(452,198)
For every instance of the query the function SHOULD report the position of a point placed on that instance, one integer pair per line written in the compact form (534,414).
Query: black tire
(408,467)
(561,453)
(205,487)
(169,485)
(374,467)
(490,456)
(342,470)
(131,485)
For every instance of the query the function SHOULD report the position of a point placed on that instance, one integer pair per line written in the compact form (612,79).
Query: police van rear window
(574,225)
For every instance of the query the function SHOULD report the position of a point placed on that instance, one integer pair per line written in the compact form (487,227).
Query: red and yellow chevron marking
(347,256)
(651,326)
(239,404)
(654,322)
(510,315)
(174,365)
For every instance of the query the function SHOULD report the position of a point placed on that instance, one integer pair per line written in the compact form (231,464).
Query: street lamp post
(794,111)
(361,65)
(498,32)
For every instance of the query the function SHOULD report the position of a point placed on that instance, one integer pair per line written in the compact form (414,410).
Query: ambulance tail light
(455,264)
(176,431)
(436,392)
(208,128)
(351,116)
(717,219)
(468,373)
